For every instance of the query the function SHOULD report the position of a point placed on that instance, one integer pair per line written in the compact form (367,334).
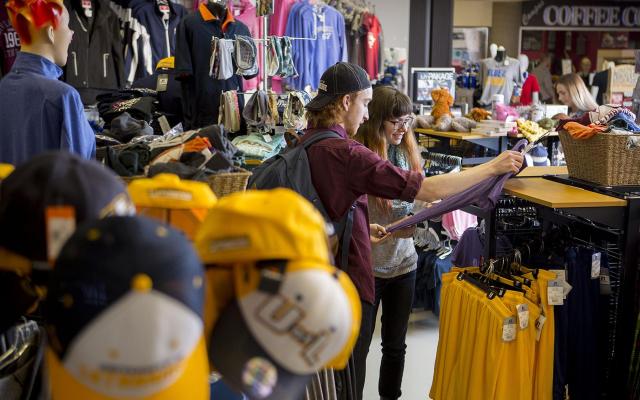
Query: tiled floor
(422,343)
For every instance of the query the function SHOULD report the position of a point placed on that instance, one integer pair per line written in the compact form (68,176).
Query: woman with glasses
(388,132)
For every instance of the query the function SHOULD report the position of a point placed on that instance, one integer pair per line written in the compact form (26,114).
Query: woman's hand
(377,234)
(507,161)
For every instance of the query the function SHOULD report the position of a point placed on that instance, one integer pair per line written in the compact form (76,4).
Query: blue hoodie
(313,57)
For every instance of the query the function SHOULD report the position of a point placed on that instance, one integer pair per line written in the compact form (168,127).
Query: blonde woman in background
(573,92)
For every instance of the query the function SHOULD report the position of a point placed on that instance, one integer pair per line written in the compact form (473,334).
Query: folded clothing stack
(191,155)
(257,148)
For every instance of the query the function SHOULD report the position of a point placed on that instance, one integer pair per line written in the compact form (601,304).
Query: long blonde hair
(580,95)
(388,103)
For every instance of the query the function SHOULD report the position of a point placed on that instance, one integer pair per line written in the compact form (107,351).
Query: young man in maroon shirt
(344,172)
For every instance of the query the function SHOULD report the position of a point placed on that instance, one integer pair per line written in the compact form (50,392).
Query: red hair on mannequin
(38,13)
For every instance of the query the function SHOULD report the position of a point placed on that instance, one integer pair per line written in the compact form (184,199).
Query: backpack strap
(345,238)
(344,226)
(320,136)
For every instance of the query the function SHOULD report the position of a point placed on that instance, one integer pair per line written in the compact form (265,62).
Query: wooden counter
(556,195)
(466,135)
(454,134)
(541,171)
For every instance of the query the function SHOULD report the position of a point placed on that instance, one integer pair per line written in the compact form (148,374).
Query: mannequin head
(493,50)
(524,63)
(585,66)
(43,26)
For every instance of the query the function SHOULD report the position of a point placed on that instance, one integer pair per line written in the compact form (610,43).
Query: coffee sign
(560,14)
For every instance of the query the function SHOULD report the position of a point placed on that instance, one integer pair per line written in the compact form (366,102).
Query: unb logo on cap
(322,86)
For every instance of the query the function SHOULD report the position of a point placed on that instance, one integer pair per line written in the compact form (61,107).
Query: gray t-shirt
(395,256)
(499,78)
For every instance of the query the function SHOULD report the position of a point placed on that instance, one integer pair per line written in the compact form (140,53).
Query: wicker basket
(128,179)
(603,159)
(229,182)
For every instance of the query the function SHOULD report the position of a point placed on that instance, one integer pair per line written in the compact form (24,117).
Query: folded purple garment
(484,195)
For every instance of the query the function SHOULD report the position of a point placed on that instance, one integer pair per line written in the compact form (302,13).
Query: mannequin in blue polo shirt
(38,112)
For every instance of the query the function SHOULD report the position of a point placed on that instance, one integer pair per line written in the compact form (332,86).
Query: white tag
(539,324)
(555,293)
(61,223)
(509,329)
(164,124)
(567,288)
(595,265)
(523,315)
(560,274)
(88,10)
(267,138)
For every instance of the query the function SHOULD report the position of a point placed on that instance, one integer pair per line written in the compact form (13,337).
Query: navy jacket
(153,38)
(200,92)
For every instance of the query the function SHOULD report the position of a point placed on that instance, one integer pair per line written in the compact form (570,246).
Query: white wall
(394,18)
(472,13)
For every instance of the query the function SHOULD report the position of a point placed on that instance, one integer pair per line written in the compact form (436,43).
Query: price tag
(509,329)
(162,83)
(163,6)
(523,315)
(555,293)
(539,325)
(164,124)
(605,282)
(595,265)
(61,223)
(267,138)
(567,288)
(561,274)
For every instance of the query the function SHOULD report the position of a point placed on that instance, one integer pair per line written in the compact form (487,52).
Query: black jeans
(396,295)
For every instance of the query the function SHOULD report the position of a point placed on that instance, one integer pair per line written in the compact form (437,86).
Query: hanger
(22,342)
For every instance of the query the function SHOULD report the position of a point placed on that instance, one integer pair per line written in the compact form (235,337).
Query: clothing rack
(613,230)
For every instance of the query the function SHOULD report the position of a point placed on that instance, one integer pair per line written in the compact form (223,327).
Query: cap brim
(232,361)
(192,383)
(320,101)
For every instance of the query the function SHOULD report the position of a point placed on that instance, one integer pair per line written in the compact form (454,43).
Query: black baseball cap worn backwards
(339,79)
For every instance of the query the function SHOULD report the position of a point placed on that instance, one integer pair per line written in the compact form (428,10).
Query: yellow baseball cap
(166,63)
(181,203)
(255,225)
(5,170)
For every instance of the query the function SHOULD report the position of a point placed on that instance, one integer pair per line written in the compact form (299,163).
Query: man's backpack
(291,170)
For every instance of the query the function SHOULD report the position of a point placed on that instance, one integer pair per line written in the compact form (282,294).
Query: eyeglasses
(402,123)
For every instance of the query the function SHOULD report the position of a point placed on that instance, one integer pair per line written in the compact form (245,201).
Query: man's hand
(507,161)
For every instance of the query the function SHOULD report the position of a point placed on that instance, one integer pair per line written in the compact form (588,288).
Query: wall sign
(550,13)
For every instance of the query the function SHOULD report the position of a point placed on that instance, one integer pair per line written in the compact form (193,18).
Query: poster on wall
(424,80)
(469,45)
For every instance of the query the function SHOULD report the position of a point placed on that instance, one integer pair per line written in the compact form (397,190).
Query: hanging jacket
(95,63)
(152,39)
